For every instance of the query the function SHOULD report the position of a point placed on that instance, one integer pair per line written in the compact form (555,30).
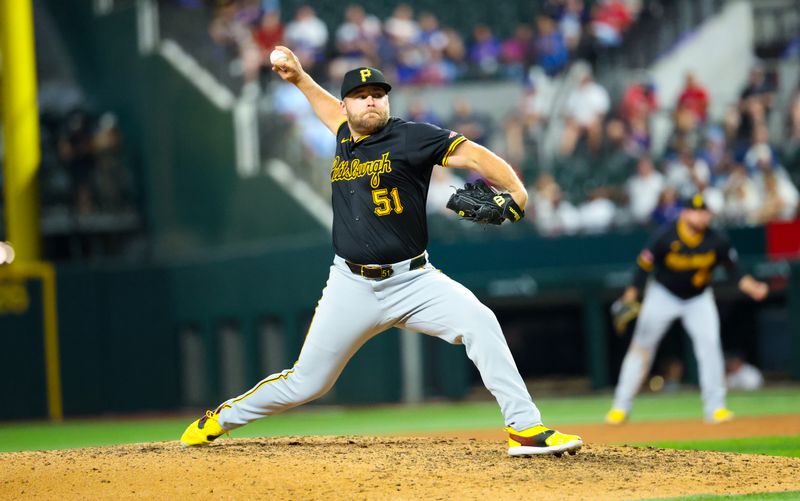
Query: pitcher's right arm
(326,107)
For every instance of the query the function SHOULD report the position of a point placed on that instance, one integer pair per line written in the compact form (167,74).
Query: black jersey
(683,263)
(380,186)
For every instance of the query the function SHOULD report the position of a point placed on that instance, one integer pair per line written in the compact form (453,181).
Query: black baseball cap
(696,201)
(362,76)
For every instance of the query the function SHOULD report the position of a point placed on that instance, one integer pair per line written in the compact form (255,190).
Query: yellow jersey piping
(452,148)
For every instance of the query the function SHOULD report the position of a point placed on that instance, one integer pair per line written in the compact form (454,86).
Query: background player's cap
(696,201)
(362,76)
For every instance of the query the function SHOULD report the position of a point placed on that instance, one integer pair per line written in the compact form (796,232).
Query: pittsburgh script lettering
(347,170)
(683,262)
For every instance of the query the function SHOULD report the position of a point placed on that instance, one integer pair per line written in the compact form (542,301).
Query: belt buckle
(386,270)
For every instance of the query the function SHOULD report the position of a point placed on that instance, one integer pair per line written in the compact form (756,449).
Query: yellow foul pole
(20,128)
(20,117)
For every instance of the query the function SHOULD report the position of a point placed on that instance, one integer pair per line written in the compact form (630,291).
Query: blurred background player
(681,257)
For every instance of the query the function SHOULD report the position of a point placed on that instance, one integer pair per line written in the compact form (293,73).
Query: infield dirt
(396,468)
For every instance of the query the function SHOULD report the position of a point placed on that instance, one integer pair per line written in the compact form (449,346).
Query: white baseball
(6,253)
(277,56)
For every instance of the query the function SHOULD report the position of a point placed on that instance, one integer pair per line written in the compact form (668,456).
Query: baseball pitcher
(381,275)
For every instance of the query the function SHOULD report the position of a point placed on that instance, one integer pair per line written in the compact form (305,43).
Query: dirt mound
(381,468)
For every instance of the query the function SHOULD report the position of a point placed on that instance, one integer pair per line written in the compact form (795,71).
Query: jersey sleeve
(729,258)
(651,256)
(430,145)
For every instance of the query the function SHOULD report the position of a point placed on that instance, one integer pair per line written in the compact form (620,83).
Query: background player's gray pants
(354,309)
(701,321)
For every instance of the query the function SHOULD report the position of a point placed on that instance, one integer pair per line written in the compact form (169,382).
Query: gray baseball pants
(700,319)
(353,309)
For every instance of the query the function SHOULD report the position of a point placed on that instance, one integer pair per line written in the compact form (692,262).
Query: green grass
(767,496)
(661,407)
(384,420)
(771,446)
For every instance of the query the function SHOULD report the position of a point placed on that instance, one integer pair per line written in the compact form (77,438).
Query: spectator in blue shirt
(551,50)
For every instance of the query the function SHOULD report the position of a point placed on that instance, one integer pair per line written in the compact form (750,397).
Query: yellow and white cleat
(203,431)
(616,417)
(721,415)
(541,440)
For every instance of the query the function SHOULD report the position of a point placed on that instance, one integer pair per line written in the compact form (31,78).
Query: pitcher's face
(698,219)
(367,109)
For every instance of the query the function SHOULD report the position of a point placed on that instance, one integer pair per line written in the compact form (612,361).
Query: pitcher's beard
(368,123)
(697,228)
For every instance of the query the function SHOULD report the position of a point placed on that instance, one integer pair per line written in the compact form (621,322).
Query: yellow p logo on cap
(697,201)
(365,73)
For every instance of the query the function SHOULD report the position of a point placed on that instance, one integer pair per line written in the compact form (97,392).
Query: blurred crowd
(605,176)
(83,171)
(87,190)
(415,47)
(602,172)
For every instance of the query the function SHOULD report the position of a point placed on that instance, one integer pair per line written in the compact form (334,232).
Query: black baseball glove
(623,313)
(480,204)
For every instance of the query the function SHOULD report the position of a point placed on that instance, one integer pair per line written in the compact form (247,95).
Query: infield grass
(325,420)
(771,446)
(766,496)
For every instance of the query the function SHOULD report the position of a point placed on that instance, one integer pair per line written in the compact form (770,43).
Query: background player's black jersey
(380,186)
(682,263)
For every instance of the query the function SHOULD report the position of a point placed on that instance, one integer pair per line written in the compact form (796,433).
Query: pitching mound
(381,468)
